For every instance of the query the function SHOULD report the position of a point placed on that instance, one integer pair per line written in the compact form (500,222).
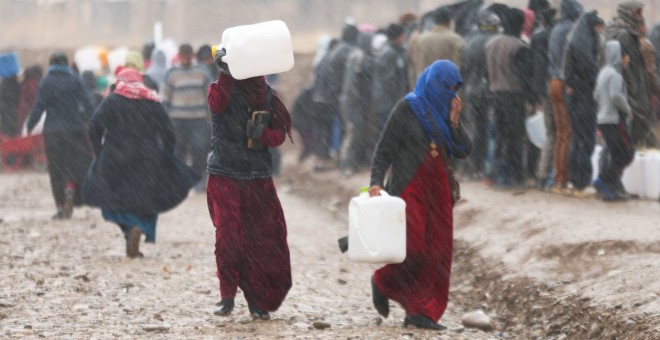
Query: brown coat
(438,43)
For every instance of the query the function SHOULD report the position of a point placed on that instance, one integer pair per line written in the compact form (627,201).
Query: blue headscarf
(433,93)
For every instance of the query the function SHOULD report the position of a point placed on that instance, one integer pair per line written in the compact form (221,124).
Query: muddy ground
(541,266)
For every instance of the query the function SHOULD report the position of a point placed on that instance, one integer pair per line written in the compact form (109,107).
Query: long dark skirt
(251,250)
(421,282)
(69,156)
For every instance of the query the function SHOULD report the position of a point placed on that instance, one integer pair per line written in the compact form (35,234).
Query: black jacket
(230,156)
(66,101)
(581,55)
(403,145)
(135,169)
(390,77)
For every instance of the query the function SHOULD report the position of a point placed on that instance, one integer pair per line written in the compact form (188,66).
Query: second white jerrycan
(377,229)
(257,50)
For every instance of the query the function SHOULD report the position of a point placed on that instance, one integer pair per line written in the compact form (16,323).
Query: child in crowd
(613,114)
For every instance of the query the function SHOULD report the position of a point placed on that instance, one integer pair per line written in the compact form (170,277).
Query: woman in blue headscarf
(422,131)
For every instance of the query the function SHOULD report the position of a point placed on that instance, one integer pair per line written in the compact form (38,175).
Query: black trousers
(323,130)
(621,152)
(69,157)
(582,111)
(477,121)
(509,138)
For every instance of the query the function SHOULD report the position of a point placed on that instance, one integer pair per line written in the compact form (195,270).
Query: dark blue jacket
(66,102)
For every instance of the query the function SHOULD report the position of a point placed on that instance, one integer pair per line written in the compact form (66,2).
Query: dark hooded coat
(581,55)
(625,29)
(570,11)
(135,169)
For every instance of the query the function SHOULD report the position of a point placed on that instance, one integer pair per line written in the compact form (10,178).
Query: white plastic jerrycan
(633,175)
(651,171)
(377,229)
(257,50)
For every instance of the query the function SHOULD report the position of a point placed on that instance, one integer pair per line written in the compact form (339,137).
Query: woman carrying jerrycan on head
(251,248)
(421,132)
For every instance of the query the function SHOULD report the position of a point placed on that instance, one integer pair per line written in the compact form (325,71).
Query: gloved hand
(254,130)
(218,60)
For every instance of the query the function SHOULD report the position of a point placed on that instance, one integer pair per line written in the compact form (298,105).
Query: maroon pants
(251,250)
(421,283)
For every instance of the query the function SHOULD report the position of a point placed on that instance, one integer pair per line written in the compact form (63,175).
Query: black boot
(225,307)
(421,321)
(381,303)
(258,313)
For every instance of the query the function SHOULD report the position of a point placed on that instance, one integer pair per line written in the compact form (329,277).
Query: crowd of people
(515,63)
(385,98)
(106,151)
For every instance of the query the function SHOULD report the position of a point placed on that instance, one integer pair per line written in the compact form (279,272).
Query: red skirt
(421,282)
(251,250)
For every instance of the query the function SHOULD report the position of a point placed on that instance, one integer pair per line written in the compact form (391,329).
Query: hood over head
(613,53)
(627,15)
(513,21)
(350,34)
(571,9)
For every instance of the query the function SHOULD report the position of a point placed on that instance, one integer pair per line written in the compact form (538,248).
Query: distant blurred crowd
(516,64)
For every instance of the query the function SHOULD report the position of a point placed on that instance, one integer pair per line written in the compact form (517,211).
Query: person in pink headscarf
(135,175)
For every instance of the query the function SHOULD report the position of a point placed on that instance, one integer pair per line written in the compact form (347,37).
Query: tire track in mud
(520,306)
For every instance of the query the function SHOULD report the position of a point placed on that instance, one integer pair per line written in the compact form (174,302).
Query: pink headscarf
(528,25)
(131,85)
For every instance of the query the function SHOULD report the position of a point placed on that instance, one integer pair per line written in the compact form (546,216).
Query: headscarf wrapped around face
(130,85)
(431,101)
(626,16)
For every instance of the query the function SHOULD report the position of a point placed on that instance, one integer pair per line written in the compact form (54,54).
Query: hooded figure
(63,95)
(570,12)
(580,71)
(613,112)
(582,52)
(509,62)
(421,131)
(356,108)
(390,74)
(625,28)
(477,94)
(158,67)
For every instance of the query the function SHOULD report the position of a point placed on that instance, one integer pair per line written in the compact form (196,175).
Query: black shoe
(258,313)
(621,190)
(133,243)
(225,307)
(421,321)
(381,303)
